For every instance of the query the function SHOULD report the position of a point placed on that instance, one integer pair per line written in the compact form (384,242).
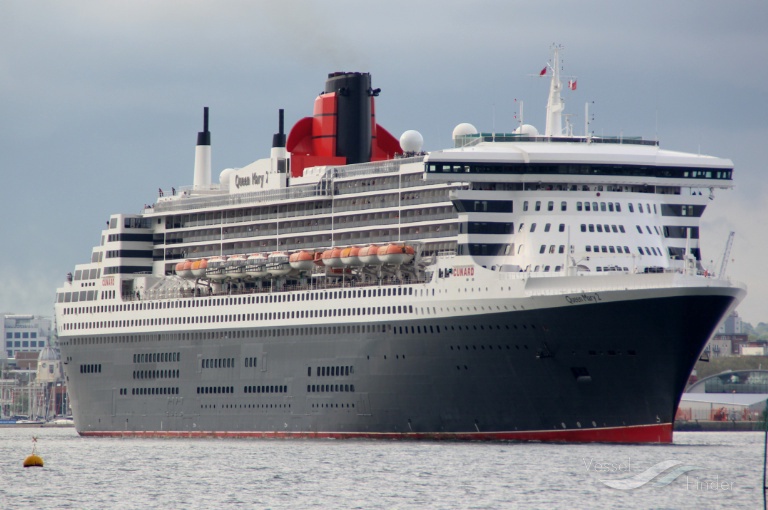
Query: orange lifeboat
(184,269)
(367,255)
(199,267)
(332,257)
(395,254)
(350,256)
(302,260)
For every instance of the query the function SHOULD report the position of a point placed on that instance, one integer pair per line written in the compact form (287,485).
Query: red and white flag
(572,84)
(543,71)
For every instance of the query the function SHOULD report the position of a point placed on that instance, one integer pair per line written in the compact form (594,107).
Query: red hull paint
(661,433)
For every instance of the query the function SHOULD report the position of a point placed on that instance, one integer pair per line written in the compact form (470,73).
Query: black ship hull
(610,371)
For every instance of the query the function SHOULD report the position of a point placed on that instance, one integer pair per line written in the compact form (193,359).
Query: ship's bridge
(517,158)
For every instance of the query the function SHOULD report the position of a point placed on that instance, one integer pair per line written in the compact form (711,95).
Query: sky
(101,102)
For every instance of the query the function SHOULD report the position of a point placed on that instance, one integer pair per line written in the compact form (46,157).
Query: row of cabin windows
(264,316)
(218,363)
(245,300)
(331,371)
(674,253)
(327,388)
(592,169)
(351,329)
(316,208)
(265,389)
(157,357)
(306,226)
(560,249)
(550,205)
(591,206)
(547,227)
(94,368)
(546,268)
(648,229)
(87,274)
(603,228)
(136,254)
(205,390)
(332,405)
(608,249)
(591,227)
(129,237)
(436,329)
(602,206)
(154,391)
(250,362)
(156,374)
(644,208)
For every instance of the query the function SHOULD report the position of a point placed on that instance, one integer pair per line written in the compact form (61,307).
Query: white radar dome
(411,141)
(464,129)
(224,177)
(527,130)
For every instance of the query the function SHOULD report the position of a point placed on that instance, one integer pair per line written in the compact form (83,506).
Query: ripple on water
(195,473)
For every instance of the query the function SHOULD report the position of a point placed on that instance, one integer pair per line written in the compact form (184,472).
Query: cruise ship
(516,286)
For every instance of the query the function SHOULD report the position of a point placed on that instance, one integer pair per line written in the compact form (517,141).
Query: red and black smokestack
(343,128)
(353,135)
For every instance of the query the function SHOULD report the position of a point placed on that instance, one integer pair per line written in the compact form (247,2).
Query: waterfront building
(24,333)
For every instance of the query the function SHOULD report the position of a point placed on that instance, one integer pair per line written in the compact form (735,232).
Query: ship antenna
(555,104)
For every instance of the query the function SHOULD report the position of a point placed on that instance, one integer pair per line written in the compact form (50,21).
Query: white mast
(555,104)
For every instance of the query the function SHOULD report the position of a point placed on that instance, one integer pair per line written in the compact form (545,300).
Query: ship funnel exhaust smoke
(202,178)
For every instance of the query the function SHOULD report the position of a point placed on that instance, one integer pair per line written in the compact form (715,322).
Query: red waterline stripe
(660,433)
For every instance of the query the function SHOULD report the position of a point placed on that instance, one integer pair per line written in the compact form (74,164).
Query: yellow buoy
(34,460)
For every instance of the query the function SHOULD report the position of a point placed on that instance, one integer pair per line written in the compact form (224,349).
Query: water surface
(714,470)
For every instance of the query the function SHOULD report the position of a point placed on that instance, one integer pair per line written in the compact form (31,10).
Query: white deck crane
(726,254)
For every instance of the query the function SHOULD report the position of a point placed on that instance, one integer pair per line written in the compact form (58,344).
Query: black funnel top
(204,137)
(278,139)
(353,110)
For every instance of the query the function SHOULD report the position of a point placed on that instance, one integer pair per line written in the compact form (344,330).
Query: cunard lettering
(583,298)
(107,281)
(464,271)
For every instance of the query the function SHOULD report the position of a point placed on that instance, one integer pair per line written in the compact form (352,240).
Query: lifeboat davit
(350,256)
(256,266)
(199,267)
(395,254)
(332,257)
(367,255)
(278,264)
(236,267)
(217,269)
(184,269)
(302,260)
